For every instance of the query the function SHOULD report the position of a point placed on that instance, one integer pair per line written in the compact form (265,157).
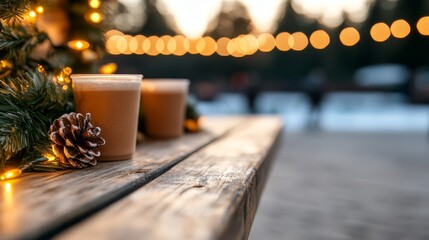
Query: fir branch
(13,9)
(29,102)
(17,42)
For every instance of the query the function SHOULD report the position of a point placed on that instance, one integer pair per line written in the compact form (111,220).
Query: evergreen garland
(30,98)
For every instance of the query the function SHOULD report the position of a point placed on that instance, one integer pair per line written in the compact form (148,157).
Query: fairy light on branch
(32,14)
(94,3)
(94,17)
(78,44)
(11,174)
(40,9)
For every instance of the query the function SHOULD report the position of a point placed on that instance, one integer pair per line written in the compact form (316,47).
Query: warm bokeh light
(111,44)
(94,3)
(113,32)
(190,17)
(165,40)
(78,44)
(125,45)
(320,39)
(193,46)
(380,32)
(222,44)
(264,14)
(400,28)
(149,46)
(182,45)
(233,48)
(160,46)
(210,46)
(267,42)
(201,44)
(332,12)
(423,26)
(298,41)
(132,44)
(10,174)
(282,41)
(139,39)
(95,17)
(40,9)
(249,44)
(172,45)
(32,14)
(108,68)
(349,36)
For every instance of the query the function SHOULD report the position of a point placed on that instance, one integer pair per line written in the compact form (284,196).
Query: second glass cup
(163,103)
(113,101)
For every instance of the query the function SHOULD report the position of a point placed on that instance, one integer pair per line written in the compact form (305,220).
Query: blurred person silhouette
(314,87)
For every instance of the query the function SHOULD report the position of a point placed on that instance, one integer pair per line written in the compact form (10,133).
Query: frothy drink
(163,104)
(113,101)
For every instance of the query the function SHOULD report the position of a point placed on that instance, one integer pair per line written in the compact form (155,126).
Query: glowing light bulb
(40,9)
(11,174)
(400,28)
(32,14)
(95,17)
(380,32)
(320,39)
(94,3)
(108,68)
(423,26)
(78,44)
(349,36)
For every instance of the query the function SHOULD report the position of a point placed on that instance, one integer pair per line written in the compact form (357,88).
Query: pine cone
(75,140)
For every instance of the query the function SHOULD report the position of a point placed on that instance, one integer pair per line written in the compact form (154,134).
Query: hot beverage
(163,104)
(113,101)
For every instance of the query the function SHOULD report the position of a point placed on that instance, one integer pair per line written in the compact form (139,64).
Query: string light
(78,44)
(319,39)
(40,68)
(266,42)
(282,41)
(109,68)
(94,3)
(380,32)
(165,40)
(400,28)
(349,36)
(40,9)
(298,41)
(95,17)
(423,26)
(32,14)
(242,45)
(222,44)
(49,157)
(11,174)
(182,45)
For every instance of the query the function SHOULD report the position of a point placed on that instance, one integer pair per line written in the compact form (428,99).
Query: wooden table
(204,185)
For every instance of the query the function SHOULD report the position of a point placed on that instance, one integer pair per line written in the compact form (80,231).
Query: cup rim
(104,76)
(168,81)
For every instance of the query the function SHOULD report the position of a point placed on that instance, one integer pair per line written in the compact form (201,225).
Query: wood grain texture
(213,194)
(38,205)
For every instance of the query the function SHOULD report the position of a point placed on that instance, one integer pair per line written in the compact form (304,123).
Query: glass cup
(113,101)
(163,104)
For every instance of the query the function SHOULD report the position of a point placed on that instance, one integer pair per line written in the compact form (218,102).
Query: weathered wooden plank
(213,194)
(38,205)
